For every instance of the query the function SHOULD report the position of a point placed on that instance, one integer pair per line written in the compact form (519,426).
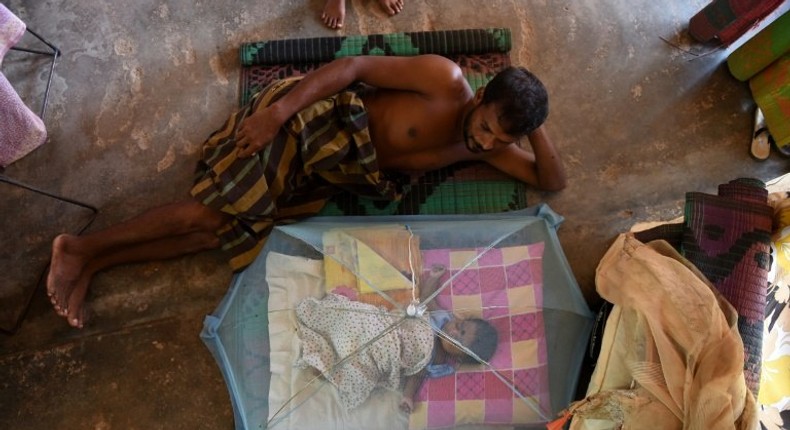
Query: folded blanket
(372,265)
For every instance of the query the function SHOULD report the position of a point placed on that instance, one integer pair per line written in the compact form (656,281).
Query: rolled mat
(727,237)
(771,90)
(322,49)
(761,50)
(480,53)
(463,188)
(727,20)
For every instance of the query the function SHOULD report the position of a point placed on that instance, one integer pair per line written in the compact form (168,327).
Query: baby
(475,334)
(335,329)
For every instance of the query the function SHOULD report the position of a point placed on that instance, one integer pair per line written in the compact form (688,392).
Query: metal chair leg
(93,209)
(42,275)
(55,53)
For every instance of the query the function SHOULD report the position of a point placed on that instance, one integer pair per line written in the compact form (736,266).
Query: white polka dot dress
(334,328)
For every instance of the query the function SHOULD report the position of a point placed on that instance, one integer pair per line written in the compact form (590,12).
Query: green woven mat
(463,188)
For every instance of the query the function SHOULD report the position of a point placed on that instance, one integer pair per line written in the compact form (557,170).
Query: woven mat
(727,237)
(464,188)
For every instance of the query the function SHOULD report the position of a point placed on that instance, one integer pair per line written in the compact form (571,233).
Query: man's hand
(406,405)
(256,131)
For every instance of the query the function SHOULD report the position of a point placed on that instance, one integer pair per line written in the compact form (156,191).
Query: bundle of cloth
(671,356)
(682,347)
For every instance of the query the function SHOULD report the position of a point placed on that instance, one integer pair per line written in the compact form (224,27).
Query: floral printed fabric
(335,329)
(774,398)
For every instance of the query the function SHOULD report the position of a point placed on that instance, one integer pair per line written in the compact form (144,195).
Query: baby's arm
(410,389)
(429,285)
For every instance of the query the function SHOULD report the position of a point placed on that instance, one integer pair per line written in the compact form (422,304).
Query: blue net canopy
(403,322)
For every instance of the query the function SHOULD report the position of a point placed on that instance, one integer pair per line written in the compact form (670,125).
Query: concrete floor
(141,84)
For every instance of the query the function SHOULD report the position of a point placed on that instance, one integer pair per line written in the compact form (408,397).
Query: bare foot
(76,311)
(391,6)
(334,13)
(66,276)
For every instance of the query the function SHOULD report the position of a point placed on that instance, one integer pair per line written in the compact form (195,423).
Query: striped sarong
(321,150)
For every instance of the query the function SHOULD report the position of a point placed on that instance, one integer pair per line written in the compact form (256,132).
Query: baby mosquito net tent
(338,316)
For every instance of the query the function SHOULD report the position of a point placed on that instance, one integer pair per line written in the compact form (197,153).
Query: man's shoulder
(431,75)
(436,76)
(445,73)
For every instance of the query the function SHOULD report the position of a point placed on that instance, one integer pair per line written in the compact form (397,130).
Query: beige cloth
(671,355)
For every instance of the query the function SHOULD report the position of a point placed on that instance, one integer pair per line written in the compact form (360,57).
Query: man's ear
(479,95)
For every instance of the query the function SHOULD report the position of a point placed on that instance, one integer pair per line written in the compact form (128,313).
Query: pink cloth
(728,20)
(11,30)
(21,130)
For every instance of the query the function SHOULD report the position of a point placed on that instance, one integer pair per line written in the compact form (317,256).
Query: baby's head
(474,333)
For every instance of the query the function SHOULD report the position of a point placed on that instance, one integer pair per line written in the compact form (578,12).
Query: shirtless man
(422,115)
(334,14)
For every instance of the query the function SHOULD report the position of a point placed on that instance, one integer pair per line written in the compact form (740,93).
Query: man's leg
(162,249)
(334,13)
(392,7)
(164,232)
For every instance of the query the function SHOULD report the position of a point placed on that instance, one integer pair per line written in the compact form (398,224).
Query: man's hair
(522,100)
(484,344)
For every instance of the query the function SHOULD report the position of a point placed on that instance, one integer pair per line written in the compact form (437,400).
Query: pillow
(504,286)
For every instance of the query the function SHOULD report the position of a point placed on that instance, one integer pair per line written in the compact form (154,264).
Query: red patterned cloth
(727,20)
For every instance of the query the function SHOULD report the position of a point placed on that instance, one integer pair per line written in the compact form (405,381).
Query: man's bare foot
(76,312)
(66,279)
(391,6)
(334,13)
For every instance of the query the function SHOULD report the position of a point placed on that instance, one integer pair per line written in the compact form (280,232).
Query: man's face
(482,131)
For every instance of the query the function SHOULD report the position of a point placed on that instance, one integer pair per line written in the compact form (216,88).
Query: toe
(75,317)
(389,8)
(76,306)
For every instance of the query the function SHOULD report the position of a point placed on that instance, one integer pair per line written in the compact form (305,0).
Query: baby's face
(463,331)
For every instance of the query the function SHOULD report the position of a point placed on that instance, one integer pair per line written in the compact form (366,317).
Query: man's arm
(425,74)
(542,167)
